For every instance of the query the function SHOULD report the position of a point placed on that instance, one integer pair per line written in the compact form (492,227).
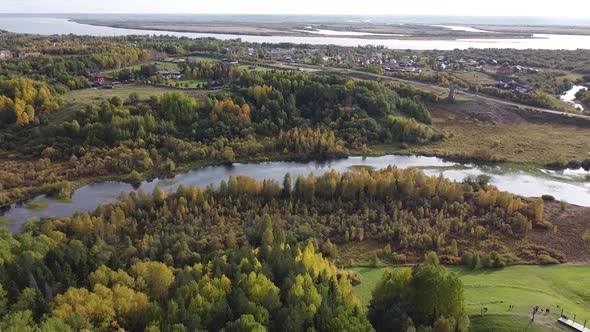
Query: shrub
(374,261)
(562,205)
(510,259)
(574,164)
(560,164)
(475,262)
(486,262)
(548,198)
(400,258)
(466,258)
(545,224)
(547,260)
(497,260)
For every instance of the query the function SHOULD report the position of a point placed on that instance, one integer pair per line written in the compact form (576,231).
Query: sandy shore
(373,31)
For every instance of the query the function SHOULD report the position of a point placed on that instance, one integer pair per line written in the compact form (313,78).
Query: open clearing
(162,65)
(475,126)
(77,98)
(475,77)
(123,91)
(549,287)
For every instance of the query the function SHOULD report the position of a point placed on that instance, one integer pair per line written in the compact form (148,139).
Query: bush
(400,258)
(134,176)
(475,262)
(466,258)
(486,262)
(562,205)
(574,164)
(497,260)
(545,259)
(545,224)
(548,198)
(374,261)
(561,164)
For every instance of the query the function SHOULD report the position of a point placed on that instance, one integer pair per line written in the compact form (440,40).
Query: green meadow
(554,287)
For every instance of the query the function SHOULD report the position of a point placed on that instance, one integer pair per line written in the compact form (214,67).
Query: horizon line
(283,14)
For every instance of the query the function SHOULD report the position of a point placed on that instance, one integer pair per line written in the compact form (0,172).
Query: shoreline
(239,29)
(192,166)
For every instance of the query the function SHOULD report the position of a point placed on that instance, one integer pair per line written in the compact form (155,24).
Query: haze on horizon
(574,8)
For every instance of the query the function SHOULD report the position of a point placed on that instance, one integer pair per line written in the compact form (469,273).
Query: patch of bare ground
(481,111)
(571,224)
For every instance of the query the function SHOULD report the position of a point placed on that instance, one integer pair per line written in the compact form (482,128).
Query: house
(98,79)
(170,75)
(5,55)
(504,69)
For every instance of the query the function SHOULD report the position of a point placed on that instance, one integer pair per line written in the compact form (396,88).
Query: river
(51,26)
(570,95)
(569,185)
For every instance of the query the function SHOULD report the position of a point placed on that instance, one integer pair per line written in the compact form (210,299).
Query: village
(374,59)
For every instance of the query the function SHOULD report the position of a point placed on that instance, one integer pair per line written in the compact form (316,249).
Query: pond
(569,185)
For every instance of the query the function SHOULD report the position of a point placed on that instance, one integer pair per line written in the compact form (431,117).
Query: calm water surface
(49,26)
(568,185)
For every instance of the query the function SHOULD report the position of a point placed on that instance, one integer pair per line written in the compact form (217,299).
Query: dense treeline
(186,260)
(52,283)
(410,299)
(296,115)
(68,61)
(24,101)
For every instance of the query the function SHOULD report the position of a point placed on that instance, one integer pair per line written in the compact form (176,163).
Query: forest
(254,254)
(277,113)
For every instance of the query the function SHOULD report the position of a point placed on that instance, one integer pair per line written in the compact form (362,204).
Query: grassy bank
(476,130)
(552,287)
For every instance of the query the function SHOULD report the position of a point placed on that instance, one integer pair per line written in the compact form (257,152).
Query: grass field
(202,59)
(258,68)
(162,65)
(554,287)
(475,77)
(74,99)
(472,127)
(123,91)
(193,84)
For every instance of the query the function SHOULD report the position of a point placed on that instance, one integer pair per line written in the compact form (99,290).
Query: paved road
(311,68)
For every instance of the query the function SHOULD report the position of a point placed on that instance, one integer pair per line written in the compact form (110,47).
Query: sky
(574,8)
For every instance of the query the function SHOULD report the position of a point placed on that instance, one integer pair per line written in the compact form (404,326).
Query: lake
(50,26)
(569,185)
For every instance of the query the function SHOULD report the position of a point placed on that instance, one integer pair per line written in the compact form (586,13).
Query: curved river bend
(569,185)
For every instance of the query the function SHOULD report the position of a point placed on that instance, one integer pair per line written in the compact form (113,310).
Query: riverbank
(62,26)
(92,192)
(306,29)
